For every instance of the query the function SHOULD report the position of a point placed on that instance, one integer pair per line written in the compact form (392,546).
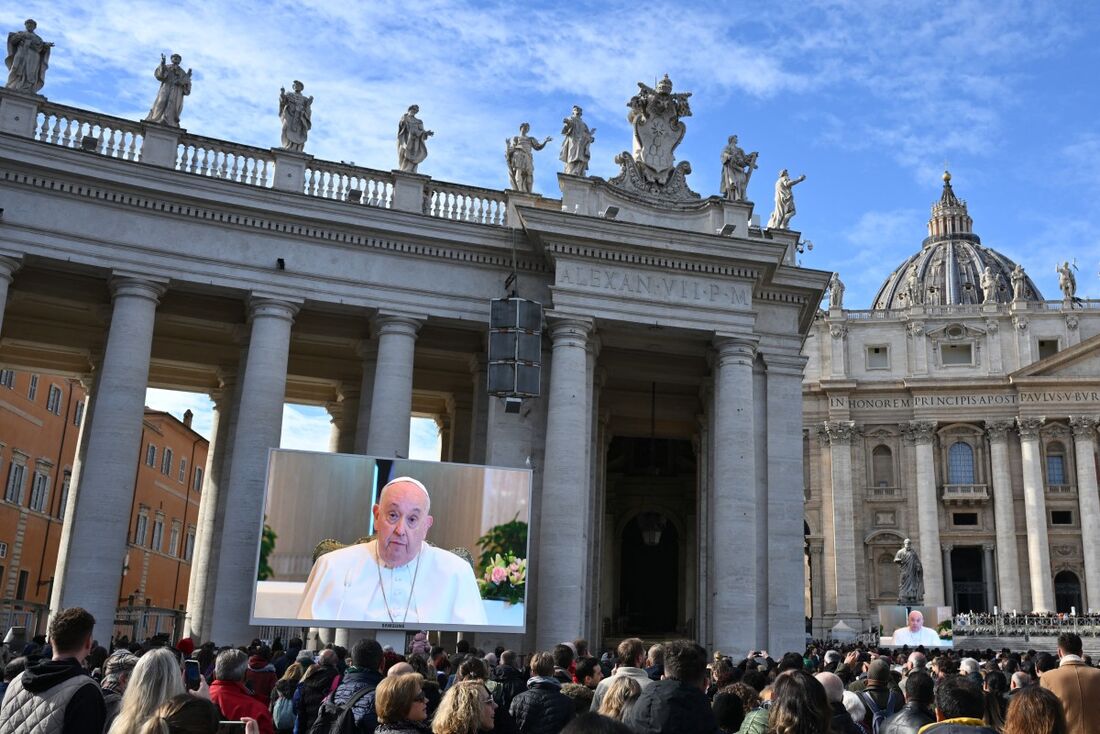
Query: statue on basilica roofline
(576,146)
(27,59)
(836,292)
(784,200)
(990,283)
(1019,284)
(175,84)
(1067,281)
(910,575)
(737,168)
(296,114)
(521,164)
(412,139)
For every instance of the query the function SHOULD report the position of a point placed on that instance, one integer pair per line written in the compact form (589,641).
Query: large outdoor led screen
(442,547)
(914,626)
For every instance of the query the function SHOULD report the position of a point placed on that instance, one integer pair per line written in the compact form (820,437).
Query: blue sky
(867,99)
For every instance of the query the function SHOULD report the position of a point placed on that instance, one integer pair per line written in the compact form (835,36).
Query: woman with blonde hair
(401,705)
(187,714)
(157,677)
(466,708)
(620,697)
(282,698)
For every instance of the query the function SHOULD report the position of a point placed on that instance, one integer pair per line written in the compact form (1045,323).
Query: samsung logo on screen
(393,626)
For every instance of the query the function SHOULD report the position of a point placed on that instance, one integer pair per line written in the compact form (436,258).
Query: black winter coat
(671,707)
(312,691)
(542,709)
(908,720)
(512,683)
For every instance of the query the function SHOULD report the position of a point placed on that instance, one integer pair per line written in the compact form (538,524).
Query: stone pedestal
(518,198)
(408,191)
(19,113)
(290,170)
(160,144)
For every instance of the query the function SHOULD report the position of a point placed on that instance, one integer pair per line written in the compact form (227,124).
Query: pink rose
(499,575)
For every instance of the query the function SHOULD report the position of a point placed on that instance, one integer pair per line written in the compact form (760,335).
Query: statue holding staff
(175,84)
(296,113)
(911,577)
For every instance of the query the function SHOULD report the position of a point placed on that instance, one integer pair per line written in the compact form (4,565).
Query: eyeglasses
(421,698)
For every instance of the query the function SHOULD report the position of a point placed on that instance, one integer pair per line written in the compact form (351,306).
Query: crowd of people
(68,683)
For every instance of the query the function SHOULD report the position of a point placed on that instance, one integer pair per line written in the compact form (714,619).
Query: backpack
(283,714)
(878,715)
(334,719)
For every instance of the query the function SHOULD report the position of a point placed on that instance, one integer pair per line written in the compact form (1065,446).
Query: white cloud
(425,443)
(305,427)
(177,402)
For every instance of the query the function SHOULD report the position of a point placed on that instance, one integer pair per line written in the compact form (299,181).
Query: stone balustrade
(224,160)
(965,493)
(68,127)
(338,180)
(465,203)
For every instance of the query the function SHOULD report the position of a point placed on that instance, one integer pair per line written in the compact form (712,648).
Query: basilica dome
(948,269)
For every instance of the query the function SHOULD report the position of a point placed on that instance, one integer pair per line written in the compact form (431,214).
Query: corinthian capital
(1084,426)
(837,433)
(1030,425)
(998,429)
(920,432)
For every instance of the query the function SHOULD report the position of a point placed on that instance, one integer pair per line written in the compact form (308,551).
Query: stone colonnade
(1000,561)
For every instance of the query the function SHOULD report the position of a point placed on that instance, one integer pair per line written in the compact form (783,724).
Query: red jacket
(235,701)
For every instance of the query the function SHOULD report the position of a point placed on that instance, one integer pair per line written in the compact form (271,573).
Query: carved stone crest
(650,169)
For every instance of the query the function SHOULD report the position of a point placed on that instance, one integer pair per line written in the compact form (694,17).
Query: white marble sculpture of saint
(1019,284)
(27,59)
(175,84)
(521,163)
(989,285)
(1067,281)
(737,168)
(836,292)
(911,575)
(296,114)
(576,147)
(784,200)
(411,141)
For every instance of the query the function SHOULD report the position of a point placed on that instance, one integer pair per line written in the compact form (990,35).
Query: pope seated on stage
(396,577)
(916,633)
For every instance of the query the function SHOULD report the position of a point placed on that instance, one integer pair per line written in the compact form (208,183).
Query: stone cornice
(662,261)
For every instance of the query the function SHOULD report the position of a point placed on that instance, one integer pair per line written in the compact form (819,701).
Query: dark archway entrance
(650,575)
(1067,592)
(968,580)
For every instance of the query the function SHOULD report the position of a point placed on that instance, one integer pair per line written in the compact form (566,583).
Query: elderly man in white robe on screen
(397,577)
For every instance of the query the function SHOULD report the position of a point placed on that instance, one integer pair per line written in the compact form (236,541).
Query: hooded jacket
(53,696)
(671,706)
(512,683)
(261,679)
(542,708)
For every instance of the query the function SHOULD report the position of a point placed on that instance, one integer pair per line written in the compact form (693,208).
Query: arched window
(1056,464)
(960,463)
(882,466)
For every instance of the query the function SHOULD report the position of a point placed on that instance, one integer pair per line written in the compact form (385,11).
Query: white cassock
(926,637)
(347,585)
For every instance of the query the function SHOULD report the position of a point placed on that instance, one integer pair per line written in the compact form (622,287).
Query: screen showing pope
(397,576)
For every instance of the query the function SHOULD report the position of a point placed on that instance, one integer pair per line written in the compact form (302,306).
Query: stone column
(786,501)
(391,397)
(96,529)
(838,436)
(479,412)
(817,588)
(258,428)
(563,527)
(923,434)
(8,266)
(987,572)
(948,581)
(1004,513)
(368,351)
(1035,510)
(733,565)
(1084,443)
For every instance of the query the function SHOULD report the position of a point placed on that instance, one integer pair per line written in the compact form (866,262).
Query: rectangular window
(32,391)
(964,518)
(7,378)
(1061,517)
(78,414)
(3,550)
(142,528)
(13,492)
(53,400)
(878,358)
(150,455)
(1047,348)
(183,470)
(198,479)
(174,539)
(66,480)
(189,544)
(957,354)
(158,533)
(166,462)
(21,587)
(40,490)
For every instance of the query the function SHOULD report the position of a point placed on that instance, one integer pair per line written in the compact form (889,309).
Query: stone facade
(970,426)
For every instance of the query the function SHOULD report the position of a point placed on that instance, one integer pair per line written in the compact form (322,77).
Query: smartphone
(191,674)
(230,727)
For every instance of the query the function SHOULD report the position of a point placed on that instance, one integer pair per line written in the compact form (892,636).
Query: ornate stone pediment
(956,333)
